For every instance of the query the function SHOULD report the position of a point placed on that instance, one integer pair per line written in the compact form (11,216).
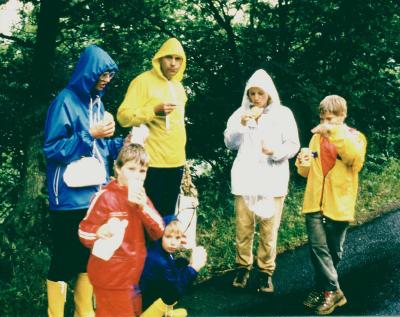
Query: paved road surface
(369,275)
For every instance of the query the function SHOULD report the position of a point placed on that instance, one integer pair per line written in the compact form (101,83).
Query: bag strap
(92,121)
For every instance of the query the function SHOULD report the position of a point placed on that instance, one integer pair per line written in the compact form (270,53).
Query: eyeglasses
(107,75)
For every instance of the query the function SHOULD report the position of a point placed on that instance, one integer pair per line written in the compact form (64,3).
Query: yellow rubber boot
(179,312)
(157,309)
(56,297)
(160,309)
(83,297)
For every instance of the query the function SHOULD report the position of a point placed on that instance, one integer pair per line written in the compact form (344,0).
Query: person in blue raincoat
(76,126)
(165,279)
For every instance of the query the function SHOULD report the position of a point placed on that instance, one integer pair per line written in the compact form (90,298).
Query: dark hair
(132,152)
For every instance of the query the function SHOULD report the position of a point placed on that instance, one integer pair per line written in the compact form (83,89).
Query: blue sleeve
(176,282)
(63,142)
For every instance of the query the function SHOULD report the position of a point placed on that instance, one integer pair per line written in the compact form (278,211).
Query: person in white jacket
(264,133)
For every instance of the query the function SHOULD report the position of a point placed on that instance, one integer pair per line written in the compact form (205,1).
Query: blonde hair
(132,152)
(174,227)
(333,104)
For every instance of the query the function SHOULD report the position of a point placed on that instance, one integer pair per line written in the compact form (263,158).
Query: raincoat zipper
(175,100)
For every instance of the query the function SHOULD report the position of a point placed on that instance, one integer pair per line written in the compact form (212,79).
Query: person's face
(258,97)
(171,241)
(170,65)
(131,170)
(331,118)
(103,80)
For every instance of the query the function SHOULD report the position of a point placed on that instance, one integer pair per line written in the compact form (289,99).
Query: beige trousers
(245,227)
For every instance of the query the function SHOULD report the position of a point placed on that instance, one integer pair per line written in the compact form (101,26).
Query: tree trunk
(31,198)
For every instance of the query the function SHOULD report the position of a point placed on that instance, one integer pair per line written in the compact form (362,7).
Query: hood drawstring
(94,118)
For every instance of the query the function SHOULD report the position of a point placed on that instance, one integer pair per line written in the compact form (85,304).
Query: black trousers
(162,186)
(69,256)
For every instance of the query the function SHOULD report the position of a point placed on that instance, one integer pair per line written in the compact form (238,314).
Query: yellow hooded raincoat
(167,138)
(335,194)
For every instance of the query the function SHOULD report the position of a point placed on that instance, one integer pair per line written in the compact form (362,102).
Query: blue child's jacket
(163,276)
(67,136)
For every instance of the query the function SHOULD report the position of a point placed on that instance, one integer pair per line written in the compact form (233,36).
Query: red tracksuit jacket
(123,269)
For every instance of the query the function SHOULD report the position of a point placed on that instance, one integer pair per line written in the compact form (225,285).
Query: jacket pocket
(56,183)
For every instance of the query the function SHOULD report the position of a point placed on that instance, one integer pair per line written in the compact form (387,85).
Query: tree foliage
(311,49)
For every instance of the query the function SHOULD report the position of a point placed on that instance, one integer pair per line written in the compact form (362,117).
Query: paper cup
(305,152)
(134,186)
(108,117)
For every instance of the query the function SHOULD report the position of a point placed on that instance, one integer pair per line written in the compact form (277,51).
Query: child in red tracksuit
(115,279)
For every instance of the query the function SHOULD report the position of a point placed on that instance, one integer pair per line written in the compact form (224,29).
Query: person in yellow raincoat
(335,156)
(157,99)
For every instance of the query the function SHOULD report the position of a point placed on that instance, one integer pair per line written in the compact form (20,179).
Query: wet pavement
(369,275)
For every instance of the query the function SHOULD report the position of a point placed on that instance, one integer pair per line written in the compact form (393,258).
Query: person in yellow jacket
(156,99)
(331,165)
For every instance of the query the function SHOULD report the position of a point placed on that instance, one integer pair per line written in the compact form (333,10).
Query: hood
(157,244)
(92,63)
(168,219)
(170,47)
(262,80)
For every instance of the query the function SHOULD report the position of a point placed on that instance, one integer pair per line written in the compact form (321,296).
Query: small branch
(17,40)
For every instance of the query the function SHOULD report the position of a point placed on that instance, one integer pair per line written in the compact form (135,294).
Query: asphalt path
(369,276)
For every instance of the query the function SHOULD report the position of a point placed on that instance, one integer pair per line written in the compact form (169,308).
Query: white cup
(305,152)
(135,185)
(108,117)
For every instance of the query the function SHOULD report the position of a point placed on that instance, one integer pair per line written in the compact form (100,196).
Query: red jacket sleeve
(152,220)
(97,215)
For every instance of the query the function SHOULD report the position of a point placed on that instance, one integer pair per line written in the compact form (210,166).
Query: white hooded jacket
(254,173)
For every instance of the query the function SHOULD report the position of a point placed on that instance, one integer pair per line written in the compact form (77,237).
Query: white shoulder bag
(88,170)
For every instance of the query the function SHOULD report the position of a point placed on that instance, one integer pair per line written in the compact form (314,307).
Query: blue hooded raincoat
(67,136)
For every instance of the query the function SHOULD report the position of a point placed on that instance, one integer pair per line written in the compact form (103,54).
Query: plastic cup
(305,157)
(108,117)
(134,186)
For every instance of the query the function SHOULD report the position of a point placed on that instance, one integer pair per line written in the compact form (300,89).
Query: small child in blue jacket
(164,279)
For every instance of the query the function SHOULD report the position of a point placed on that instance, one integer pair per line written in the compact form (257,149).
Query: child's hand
(323,129)
(199,258)
(105,231)
(110,228)
(304,157)
(139,197)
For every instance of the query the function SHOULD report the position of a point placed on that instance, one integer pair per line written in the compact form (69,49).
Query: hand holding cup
(136,192)
(199,258)
(304,157)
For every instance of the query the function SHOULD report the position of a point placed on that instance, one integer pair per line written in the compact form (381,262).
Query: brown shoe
(313,299)
(241,278)
(265,283)
(331,300)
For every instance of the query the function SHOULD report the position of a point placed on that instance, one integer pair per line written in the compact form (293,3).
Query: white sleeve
(233,134)
(290,144)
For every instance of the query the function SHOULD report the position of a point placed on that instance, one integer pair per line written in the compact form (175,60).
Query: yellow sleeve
(313,146)
(137,107)
(351,146)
